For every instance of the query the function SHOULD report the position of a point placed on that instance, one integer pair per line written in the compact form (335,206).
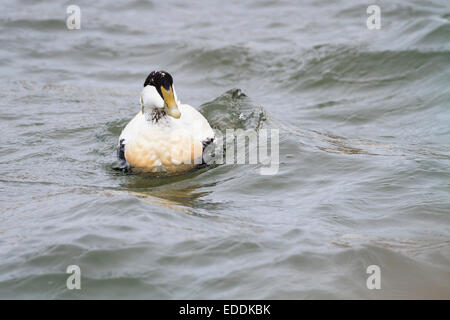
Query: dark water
(364,150)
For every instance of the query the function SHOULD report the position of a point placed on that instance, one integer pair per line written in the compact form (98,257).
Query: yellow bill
(170,105)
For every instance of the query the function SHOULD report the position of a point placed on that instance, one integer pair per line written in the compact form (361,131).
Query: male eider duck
(165,136)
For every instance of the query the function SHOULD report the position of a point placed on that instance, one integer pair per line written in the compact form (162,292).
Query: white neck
(150,98)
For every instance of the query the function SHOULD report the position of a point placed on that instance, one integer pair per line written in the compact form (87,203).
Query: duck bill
(170,105)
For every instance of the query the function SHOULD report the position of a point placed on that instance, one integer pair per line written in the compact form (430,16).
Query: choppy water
(364,150)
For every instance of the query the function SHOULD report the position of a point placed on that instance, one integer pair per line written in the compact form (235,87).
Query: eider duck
(165,136)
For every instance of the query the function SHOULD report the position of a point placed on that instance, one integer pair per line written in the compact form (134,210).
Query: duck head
(159,92)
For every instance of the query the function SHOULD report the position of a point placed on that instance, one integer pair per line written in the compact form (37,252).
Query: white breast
(173,145)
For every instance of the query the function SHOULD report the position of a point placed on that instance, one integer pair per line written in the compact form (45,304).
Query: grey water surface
(364,174)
